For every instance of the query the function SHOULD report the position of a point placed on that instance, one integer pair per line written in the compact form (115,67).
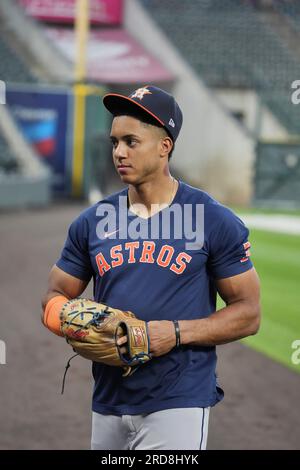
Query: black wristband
(177,333)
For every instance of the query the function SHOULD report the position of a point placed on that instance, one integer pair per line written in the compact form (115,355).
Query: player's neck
(150,197)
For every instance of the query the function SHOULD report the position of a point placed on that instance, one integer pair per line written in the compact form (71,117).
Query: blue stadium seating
(231,45)
(12,67)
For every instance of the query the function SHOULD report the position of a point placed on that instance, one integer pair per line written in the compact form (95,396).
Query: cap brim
(118,104)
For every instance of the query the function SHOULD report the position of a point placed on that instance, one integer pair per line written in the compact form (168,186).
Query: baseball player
(162,250)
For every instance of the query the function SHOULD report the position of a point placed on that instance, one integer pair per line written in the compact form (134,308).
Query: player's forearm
(50,294)
(63,284)
(236,321)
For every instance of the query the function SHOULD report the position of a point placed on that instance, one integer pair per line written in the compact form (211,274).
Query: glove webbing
(97,318)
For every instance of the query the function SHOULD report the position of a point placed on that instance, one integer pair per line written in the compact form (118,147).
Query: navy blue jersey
(159,271)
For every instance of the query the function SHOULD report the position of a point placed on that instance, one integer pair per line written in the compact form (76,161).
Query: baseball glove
(92,329)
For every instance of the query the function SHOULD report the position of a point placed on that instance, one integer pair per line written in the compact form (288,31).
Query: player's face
(138,150)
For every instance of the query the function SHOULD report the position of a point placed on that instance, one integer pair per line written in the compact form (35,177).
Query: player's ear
(166,145)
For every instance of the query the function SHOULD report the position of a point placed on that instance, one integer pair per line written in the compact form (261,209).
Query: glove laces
(66,370)
(96,319)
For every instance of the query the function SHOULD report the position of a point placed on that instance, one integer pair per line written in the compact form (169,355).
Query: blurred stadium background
(234,67)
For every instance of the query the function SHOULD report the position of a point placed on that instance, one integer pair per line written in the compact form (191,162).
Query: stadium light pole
(82,25)
(81,38)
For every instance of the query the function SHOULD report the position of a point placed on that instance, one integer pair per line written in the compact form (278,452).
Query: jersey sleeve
(229,248)
(75,258)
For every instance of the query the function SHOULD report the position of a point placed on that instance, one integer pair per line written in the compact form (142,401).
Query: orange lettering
(182,265)
(131,246)
(102,264)
(114,254)
(147,253)
(165,249)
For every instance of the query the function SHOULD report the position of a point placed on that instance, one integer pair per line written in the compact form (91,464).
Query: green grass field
(267,211)
(277,260)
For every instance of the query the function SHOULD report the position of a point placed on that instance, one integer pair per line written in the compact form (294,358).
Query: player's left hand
(161,335)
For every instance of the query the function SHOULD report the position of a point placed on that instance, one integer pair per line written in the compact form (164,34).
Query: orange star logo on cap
(140,92)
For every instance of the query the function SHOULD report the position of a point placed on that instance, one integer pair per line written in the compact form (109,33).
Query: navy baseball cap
(149,101)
